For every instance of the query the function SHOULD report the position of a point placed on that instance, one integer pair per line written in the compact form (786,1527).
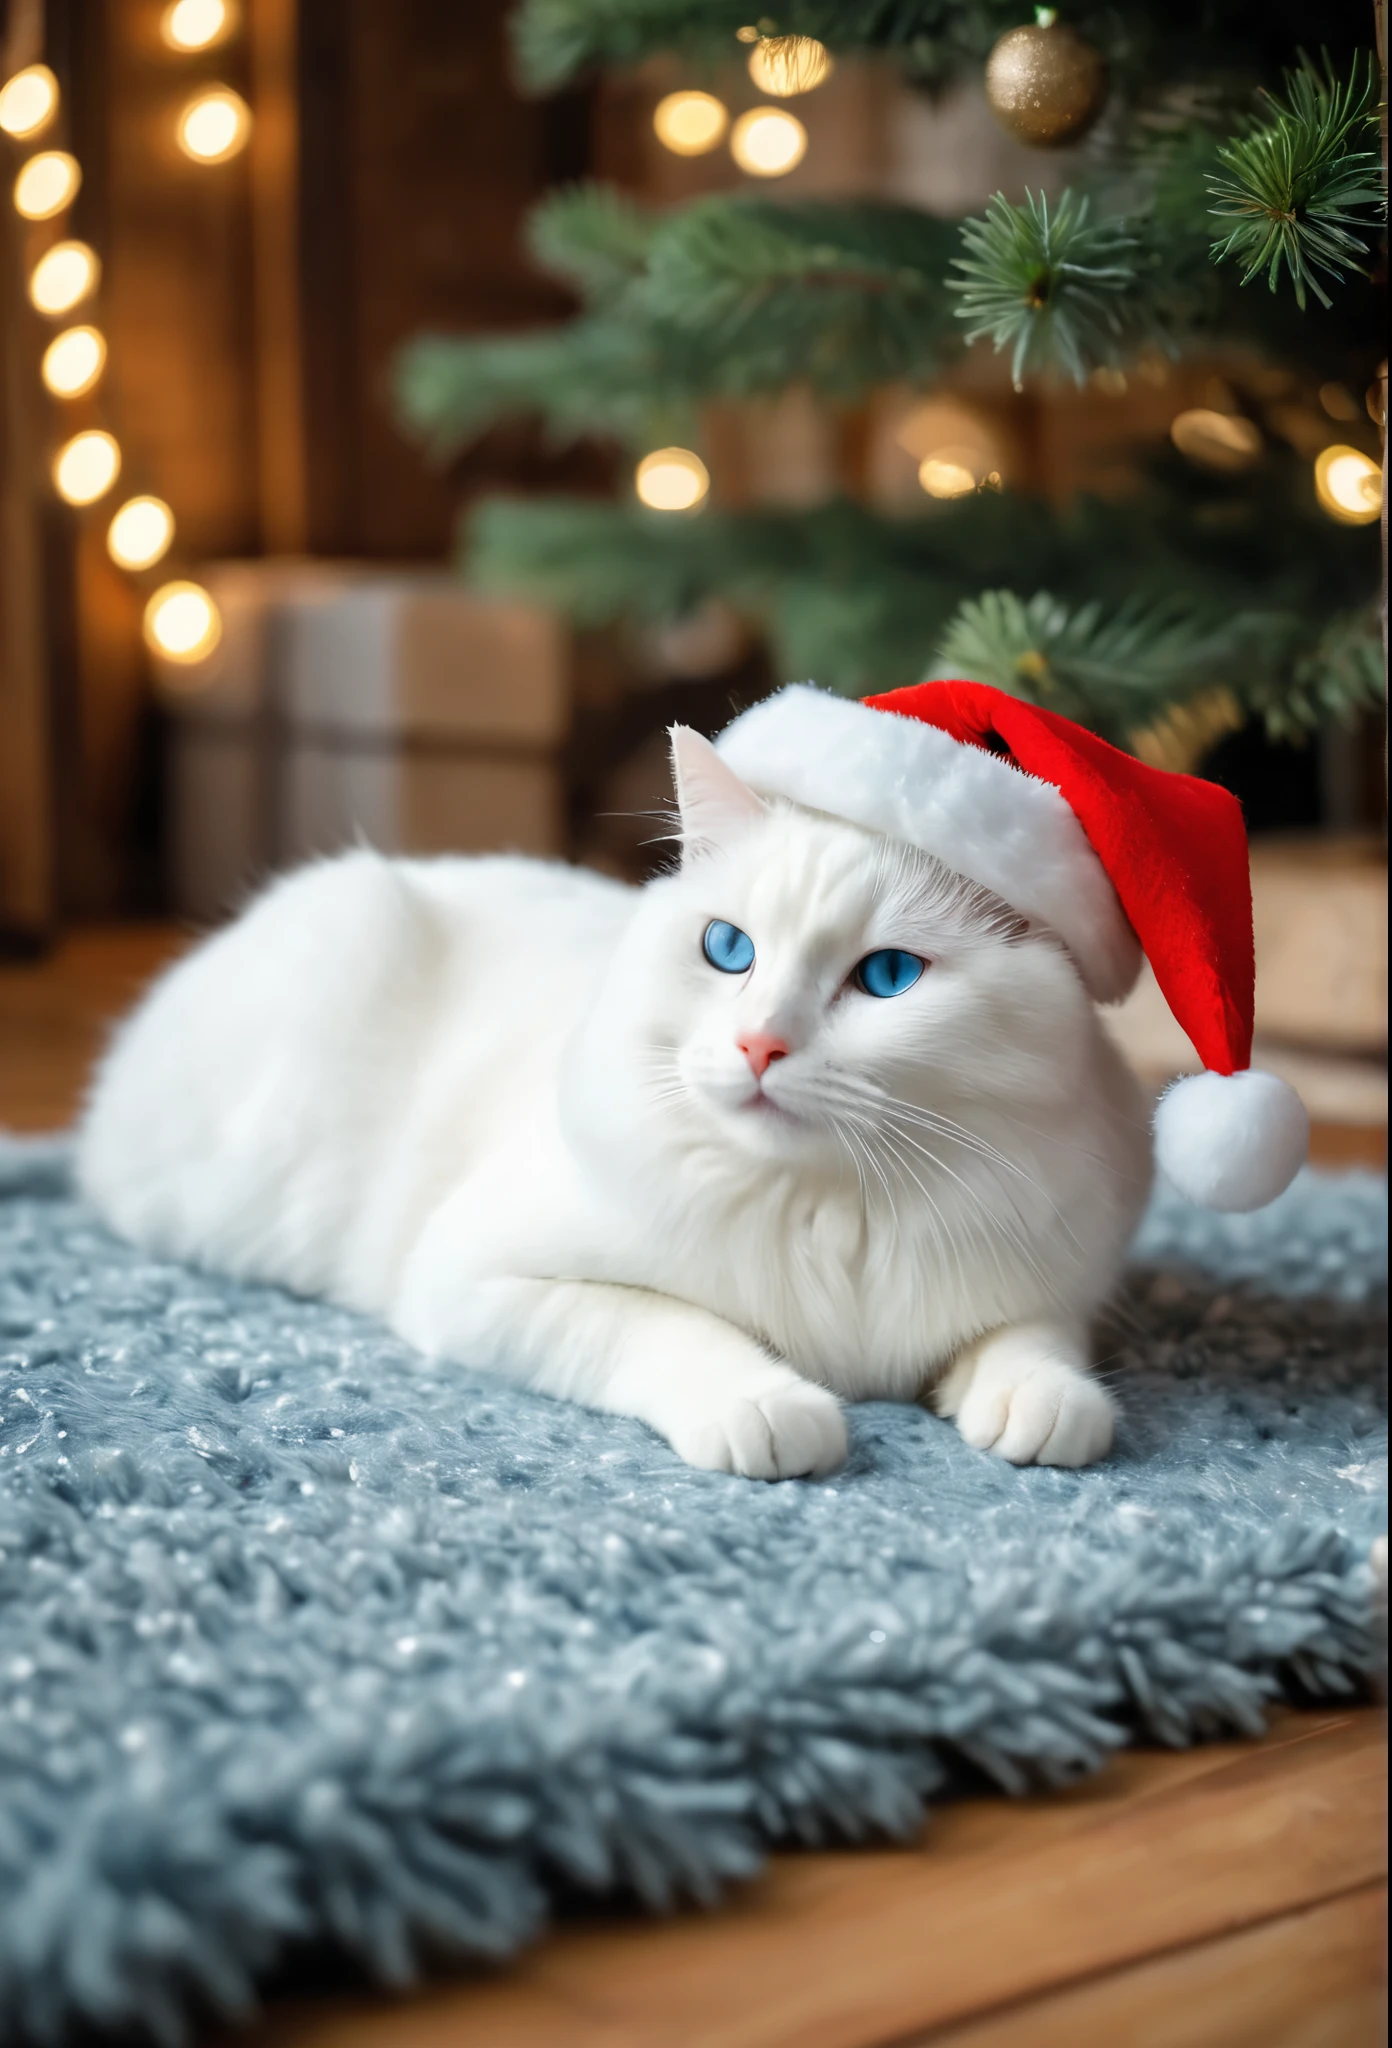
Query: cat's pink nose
(761,1049)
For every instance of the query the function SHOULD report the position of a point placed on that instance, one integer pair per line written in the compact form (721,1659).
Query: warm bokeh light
(690,123)
(1349,485)
(214,126)
(949,473)
(86,467)
(768,143)
(68,273)
(784,65)
(46,184)
(196,24)
(28,101)
(73,361)
(1219,440)
(140,533)
(671,480)
(182,623)
(956,451)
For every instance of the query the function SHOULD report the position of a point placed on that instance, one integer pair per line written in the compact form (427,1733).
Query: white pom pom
(1231,1141)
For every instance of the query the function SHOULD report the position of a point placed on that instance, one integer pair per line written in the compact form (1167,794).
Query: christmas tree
(1228,193)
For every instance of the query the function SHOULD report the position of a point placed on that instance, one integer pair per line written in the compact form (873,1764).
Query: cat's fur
(501,1104)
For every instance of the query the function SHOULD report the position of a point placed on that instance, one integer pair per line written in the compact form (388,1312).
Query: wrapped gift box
(345,704)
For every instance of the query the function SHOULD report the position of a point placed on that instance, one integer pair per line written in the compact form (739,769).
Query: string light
(767,142)
(955,450)
(1219,440)
(949,473)
(196,24)
(690,123)
(214,126)
(140,534)
(28,101)
(46,184)
(671,480)
(1348,485)
(67,274)
(86,467)
(182,623)
(785,65)
(73,361)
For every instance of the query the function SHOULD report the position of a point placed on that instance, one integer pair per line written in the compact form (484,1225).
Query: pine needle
(1295,186)
(844,296)
(1055,288)
(1165,680)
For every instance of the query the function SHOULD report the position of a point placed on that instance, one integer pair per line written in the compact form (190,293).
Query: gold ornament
(1044,83)
(784,66)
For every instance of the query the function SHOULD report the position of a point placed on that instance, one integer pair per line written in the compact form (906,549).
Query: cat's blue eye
(727,947)
(888,972)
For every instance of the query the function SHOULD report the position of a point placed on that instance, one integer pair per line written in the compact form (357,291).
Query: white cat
(810,1118)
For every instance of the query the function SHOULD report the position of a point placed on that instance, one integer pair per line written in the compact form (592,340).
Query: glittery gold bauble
(1045,84)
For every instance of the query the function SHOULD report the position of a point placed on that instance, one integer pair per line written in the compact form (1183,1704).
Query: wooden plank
(1001,1902)
(1340,1146)
(54,1018)
(1306,1980)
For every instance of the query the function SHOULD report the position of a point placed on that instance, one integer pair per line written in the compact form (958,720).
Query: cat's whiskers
(665,1084)
(852,1122)
(942,1236)
(990,1157)
(895,1109)
(862,1146)
(941,1124)
(1010,1227)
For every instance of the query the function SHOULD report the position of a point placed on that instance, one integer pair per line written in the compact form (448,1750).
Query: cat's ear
(712,800)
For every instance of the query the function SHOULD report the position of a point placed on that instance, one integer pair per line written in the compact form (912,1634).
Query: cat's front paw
(1044,1413)
(793,1430)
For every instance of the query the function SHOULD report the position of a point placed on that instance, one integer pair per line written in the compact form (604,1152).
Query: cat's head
(804,990)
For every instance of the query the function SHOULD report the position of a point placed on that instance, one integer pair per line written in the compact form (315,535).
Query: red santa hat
(1117,858)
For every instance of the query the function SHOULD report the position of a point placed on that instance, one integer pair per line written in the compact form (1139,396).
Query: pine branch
(591,377)
(843,296)
(734,296)
(594,239)
(729,297)
(1342,674)
(1168,679)
(847,596)
(861,602)
(1114,671)
(1057,289)
(1296,186)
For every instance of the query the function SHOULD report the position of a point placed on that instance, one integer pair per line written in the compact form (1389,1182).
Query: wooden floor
(1231,1896)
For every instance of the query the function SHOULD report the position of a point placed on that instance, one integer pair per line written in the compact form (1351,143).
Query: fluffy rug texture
(304,1641)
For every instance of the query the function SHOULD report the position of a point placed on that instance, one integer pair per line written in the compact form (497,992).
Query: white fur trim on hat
(1231,1141)
(976,813)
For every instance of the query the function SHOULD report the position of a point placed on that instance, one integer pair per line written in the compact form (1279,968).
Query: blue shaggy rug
(307,1645)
